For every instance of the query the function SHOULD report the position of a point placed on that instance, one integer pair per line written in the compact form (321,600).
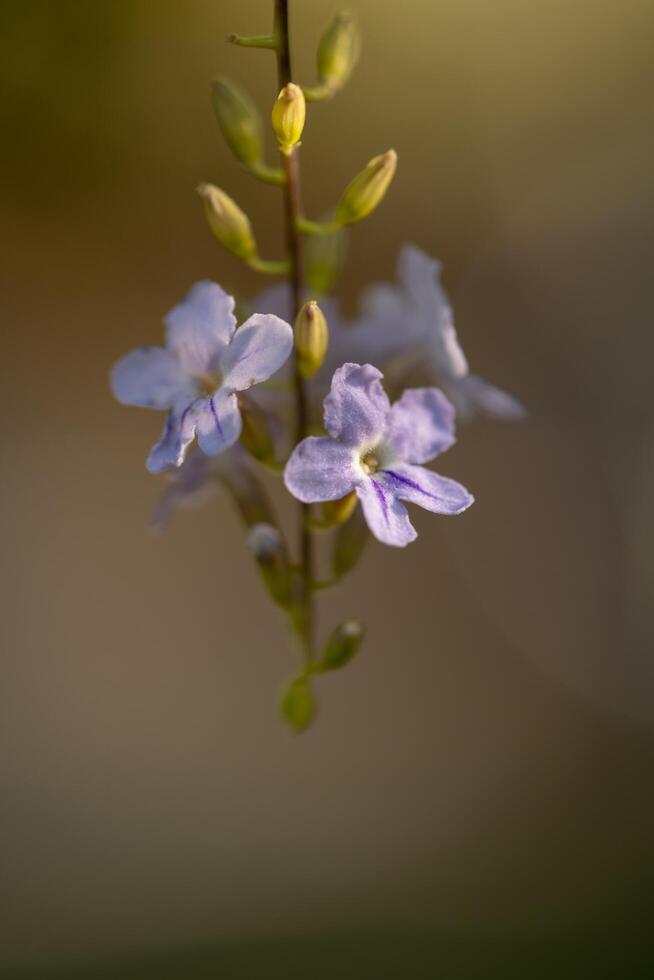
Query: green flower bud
(255,434)
(239,120)
(267,545)
(364,193)
(311,338)
(230,225)
(288,114)
(298,704)
(338,51)
(342,645)
(335,512)
(324,259)
(349,542)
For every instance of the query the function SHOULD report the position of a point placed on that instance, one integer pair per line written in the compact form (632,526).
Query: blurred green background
(477,797)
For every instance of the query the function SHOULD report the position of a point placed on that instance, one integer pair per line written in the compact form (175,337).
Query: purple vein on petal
(410,483)
(182,417)
(215,417)
(169,426)
(382,499)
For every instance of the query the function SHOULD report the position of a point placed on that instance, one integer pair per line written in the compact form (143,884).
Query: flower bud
(239,120)
(311,338)
(297,704)
(335,512)
(288,114)
(255,434)
(325,255)
(364,193)
(267,545)
(230,225)
(342,645)
(338,51)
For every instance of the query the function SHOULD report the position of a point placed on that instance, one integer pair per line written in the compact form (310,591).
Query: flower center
(208,383)
(370,462)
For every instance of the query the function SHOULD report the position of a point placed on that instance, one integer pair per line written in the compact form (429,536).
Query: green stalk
(292,216)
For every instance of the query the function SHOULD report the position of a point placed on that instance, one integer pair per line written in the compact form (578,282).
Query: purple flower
(196,376)
(376,450)
(412,323)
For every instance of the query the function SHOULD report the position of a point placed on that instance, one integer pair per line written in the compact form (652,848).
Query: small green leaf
(298,704)
(342,645)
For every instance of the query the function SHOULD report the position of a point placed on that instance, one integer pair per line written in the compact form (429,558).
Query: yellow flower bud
(239,120)
(288,114)
(364,193)
(311,338)
(338,51)
(230,225)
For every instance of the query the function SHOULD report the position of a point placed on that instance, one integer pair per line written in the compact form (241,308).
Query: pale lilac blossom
(408,328)
(410,324)
(377,450)
(197,375)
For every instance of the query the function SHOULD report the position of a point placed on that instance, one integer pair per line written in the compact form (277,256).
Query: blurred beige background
(486,764)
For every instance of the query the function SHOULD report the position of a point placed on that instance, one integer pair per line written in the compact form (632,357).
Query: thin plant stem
(292,215)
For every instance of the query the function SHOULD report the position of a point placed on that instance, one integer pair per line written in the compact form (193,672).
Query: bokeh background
(477,797)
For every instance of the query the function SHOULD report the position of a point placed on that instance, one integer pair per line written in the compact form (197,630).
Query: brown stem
(292,214)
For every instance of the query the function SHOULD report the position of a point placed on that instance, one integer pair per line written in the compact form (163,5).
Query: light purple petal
(320,469)
(218,422)
(429,490)
(420,425)
(258,349)
(474,394)
(177,435)
(419,276)
(189,486)
(446,350)
(150,377)
(357,406)
(199,327)
(386,517)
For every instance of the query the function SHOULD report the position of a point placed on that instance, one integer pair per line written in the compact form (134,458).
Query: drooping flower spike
(206,361)
(376,450)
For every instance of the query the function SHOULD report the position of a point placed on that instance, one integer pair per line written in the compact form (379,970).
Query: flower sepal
(342,646)
(255,434)
(268,548)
